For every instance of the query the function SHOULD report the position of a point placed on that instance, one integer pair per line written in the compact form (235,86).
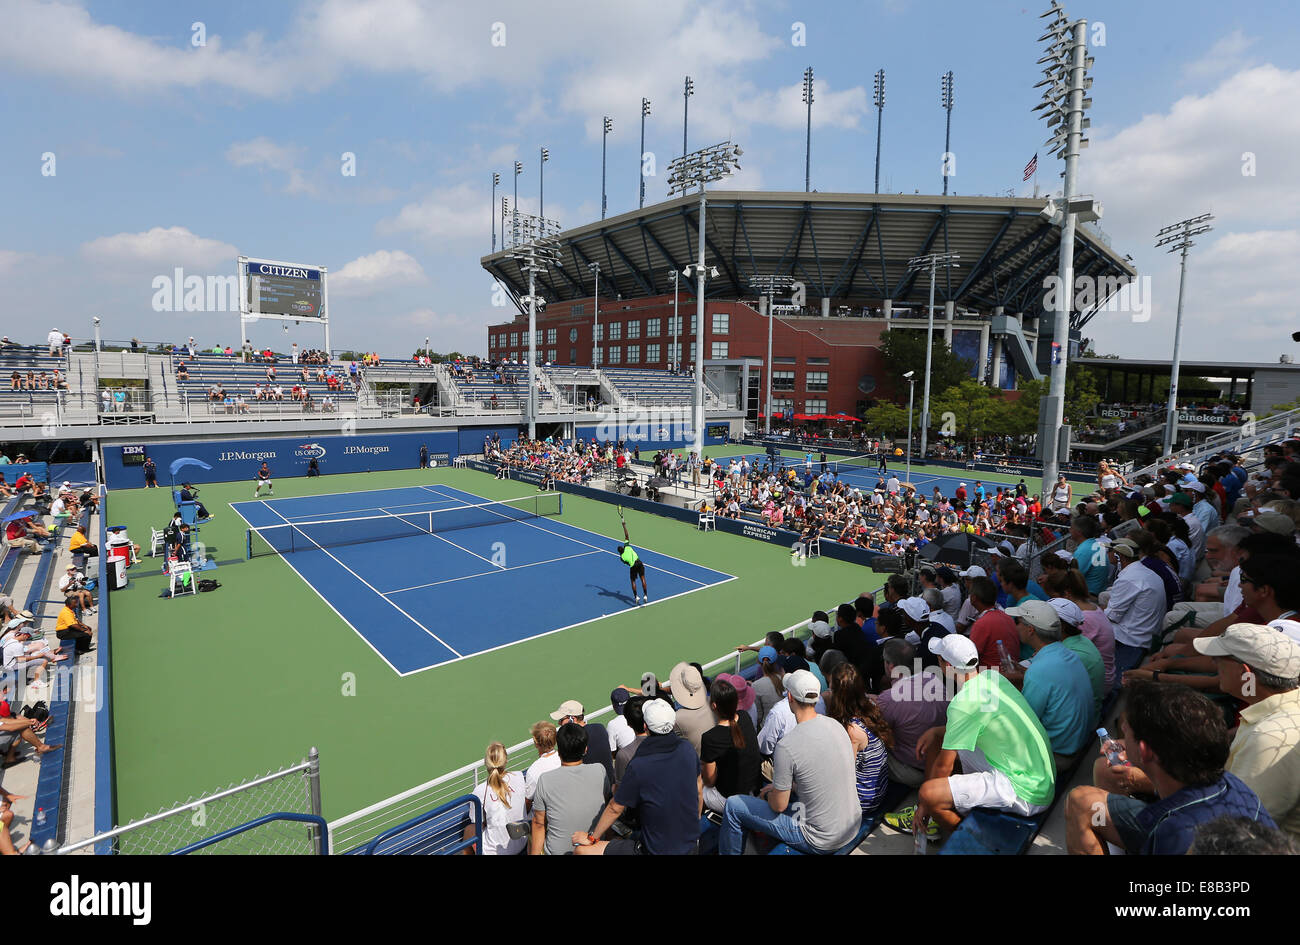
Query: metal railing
(1245,439)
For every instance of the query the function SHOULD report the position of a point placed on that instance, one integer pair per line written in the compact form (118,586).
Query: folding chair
(156,541)
(177,573)
(814,549)
(706,521)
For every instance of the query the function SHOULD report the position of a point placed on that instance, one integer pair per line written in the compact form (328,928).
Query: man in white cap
(1136,607)
(920,627)
(1261,667)
(1005,753)
(1202,509)
(815,761)
(55,340)
(598,738)
(1056,684)
(967,613)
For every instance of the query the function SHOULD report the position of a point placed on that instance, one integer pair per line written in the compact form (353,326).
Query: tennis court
(418,572)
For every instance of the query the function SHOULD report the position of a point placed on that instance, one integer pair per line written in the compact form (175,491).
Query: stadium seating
(651,387)
(238,377)
(28,361)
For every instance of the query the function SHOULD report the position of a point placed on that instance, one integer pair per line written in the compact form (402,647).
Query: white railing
(1247,438)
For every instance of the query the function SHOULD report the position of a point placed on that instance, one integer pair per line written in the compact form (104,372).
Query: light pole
(688,89)
(607,126)
(645,113)
(917,264)
(911,390)
(536,249)
(767,286)
(1066,63)
(699,169)
(878,99)
(807,150)
(519,169)
(505,211)
(1178,237)
(675,362)
(945,99)
(595,327)
(541,183)
(496,179)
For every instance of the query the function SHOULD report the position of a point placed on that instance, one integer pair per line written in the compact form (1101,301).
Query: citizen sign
(266,270)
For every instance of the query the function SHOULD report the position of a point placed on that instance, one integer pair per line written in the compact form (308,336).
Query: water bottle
(40,817)
(1111,748)
(1007,664)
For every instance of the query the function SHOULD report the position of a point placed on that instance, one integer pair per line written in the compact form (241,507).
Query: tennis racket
(620,515)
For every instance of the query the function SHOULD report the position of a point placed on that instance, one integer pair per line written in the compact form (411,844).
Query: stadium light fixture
(1178,237)
(545,155)
(519,169)
(1063,104)
(878,99)
(699,169)
(946,101)
(919,264)
(767,286)
(496,181)
(595,326)
(645,113)
(688,89)
(911,392)
(536,249)
(607,125)
(807,153)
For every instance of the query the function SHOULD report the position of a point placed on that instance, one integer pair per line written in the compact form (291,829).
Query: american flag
(1031,167)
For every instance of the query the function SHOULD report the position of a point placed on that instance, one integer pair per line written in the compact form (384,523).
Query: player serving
(263,479)
(635,566)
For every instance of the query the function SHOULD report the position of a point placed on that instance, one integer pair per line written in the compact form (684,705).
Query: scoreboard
(133,456)
(285,290)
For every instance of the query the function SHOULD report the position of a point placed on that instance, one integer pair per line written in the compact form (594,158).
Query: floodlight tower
(536,248)
(807,150)
(767,286)
(878,99)
(699,169)
(496,181)
(945,100)
(607,126)
(919,264)
(645,113)
(1178,237)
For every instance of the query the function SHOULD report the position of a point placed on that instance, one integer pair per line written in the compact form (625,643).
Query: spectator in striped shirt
(847,703)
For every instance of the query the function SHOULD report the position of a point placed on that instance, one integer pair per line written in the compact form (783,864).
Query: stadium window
(492,341)
(783,380)
(782,360)
(633,330)
(514,339)
(616,331)
(814,406)
(573,335)
(652,352)
(652,328)
(721,323)
(615,354)
(600,357)
(551,355)
(550,336)
(674,324)
(692,361)
(579,309)
(819,360)
(573,355)
(782,403)
(720,349)
(694,322)
(817,381)
(633,354)
(600,333)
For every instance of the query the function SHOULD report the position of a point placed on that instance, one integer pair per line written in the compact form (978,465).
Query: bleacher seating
(652,387)
(237,377)
(31,364)
(510,396)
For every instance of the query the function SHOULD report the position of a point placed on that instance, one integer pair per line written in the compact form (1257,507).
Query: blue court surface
(866,477)
(422,600)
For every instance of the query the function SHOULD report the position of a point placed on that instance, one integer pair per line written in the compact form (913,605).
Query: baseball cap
(819,628)
(1181,498)
(1126,547)
(744,691)
(947,573)
(803,686)
(974,571)
(961,483)
(1067,610)
(1195,485)
(915,607)
(1037,613)
(618,699)
(767,653)
(1260,647)
(1273,521)
(1006,548)
(17,622)
(956,650)
(687,686)
(659,716)
(1064,555)
(570,707)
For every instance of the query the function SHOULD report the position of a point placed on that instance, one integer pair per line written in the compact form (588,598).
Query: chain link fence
(295,789)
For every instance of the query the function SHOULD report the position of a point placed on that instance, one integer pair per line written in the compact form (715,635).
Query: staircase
(1249,438)
(1008,329)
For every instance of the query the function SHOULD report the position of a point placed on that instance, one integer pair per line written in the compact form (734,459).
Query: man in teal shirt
(1056,685)
(1091,557)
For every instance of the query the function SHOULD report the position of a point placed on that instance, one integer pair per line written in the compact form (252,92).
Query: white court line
(353,512)
(376,590)
(547,633)
(578,541)
(447,540)
(518,567)
(327,601)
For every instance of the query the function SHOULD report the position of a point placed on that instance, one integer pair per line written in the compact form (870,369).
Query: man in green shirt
(1005,753)
(635,567)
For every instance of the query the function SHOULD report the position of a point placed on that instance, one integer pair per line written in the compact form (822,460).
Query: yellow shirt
(78,540)
(66,618)
(1266,755)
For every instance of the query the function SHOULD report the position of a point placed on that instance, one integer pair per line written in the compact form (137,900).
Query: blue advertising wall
(471,438)
(234,459)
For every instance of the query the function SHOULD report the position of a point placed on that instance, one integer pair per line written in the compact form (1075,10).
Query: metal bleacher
(238,377)
(32,370)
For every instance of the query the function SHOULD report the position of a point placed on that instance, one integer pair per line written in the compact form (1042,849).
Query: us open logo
(310,451)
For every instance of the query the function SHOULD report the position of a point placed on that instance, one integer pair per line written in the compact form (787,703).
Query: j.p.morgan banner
(286,456)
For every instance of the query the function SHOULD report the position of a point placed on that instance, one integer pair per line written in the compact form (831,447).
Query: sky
(150,136)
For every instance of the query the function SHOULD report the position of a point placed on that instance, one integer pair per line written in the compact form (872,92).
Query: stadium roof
(852,248)
(1187,366)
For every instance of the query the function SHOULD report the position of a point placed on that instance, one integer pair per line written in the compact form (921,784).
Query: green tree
(967,410)
(888,419)
(903,350)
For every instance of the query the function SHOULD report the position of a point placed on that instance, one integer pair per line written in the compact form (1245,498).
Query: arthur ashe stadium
(279,601)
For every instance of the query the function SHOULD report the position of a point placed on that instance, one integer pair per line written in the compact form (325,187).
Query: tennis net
(330,533)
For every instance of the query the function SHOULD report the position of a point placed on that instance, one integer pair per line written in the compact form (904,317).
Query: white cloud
(449,213)
(1224,56)
(785,108)
(263,153)
(161,247)
(10,260)
(379,270)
